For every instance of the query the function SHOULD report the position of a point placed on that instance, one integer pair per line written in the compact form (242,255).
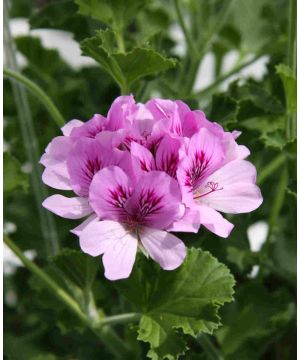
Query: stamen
(213,186)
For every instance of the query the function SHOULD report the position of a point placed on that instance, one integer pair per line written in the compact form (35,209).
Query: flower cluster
(142,172)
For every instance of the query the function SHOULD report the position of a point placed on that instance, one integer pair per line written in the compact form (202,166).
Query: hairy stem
(186,32)
(39,93)
(100,328)
(30,143)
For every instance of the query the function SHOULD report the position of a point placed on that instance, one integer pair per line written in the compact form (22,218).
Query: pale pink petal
(57,176)
(233,150)
(214,221)
(69,208)
(120,252)
(143,155)
(108,193)
(66,129)
(57,150)
(78,229)
(190,222)
(98,236)
(237,192)
(165,248)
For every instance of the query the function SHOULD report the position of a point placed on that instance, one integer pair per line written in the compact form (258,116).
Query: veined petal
(120,251)
(167,155)
(236,190)
(67,129)
(165,248)
(205,155)
(109,190)
(155,200)
(90,128)
(214,221)
(69,208)
(190,222)
(57,176)
(143,155)
(78,229)
(86,158)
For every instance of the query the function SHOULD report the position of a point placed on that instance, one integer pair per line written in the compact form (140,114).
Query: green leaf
(224,110)
(117,13)
(14,178)
(290,86)
(125,68)
(174,303)
(141,62)
(77,267)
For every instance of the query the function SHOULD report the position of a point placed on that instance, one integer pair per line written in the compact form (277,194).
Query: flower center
(213,186)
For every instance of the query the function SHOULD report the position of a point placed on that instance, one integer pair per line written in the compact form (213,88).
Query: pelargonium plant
(144,172)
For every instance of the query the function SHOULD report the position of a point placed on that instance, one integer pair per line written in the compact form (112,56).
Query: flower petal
(108,193)
(120,252)
(143,155)
(57,150)
(155,200)
(57,176)
(86,158)
(214,221)
(90,128)
(78,229)
(69,208)
(67,129)
(190,222)
(167,155)
(237,190)
(165,248)
(120,112)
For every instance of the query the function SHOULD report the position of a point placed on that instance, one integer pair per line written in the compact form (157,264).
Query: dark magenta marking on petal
(197,171)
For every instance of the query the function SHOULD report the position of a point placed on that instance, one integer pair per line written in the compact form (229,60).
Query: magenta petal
(86,158)
(66,129)
(167,155)
(120,252)
(109,191)
(214,221)
(120,112)
(238,192)
(90,128)
(155,200)
(57,176)
(165,248)
(57,150)
(143,155)
(78,229)
(69,208)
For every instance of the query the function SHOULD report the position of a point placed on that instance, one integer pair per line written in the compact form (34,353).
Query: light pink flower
(133,215)
(143,171)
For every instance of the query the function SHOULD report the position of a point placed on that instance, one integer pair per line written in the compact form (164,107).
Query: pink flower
(133,215)
(142,172)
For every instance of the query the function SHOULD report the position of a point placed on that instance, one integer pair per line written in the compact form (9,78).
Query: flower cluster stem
(209,348)
(102,328)
(39,93)
(30,142)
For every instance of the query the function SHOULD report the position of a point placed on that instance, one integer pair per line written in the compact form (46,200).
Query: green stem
(30,143)
(120,41)
(100,328)
(279,198)
(209,348)
(224,77)
(291,119)
(270,168)
(39,93)
(187,34)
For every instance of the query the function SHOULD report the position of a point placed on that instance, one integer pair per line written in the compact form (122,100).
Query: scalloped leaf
(177,303)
